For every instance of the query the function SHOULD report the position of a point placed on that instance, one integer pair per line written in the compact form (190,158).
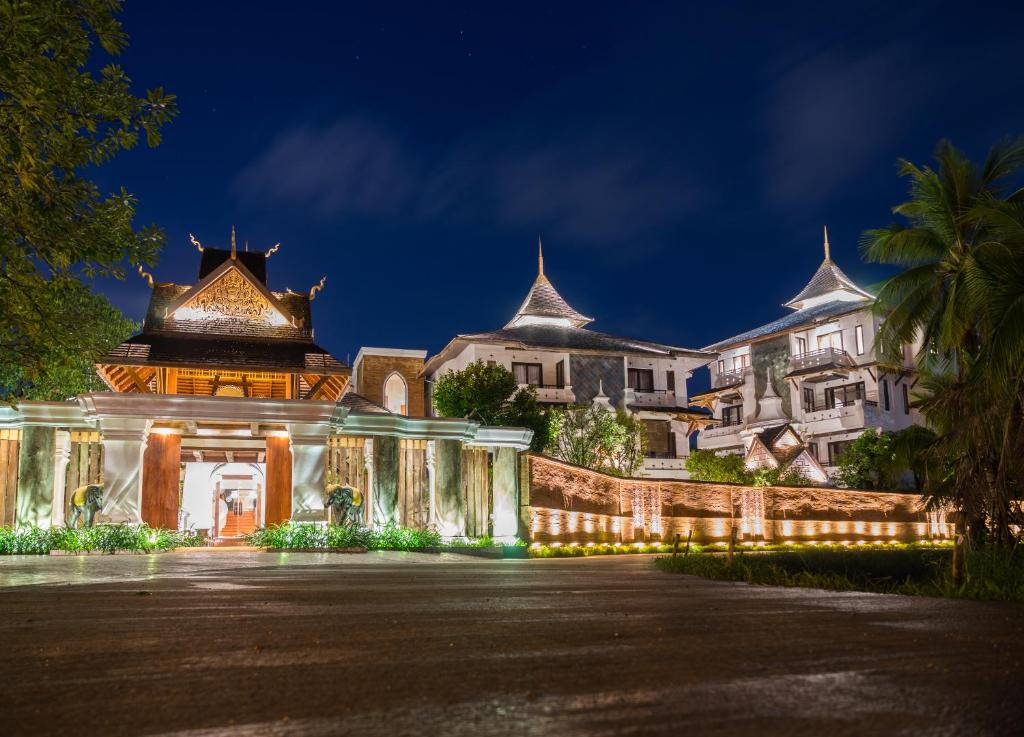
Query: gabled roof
(544,301)
(220,272)
(792,321)
(255,261)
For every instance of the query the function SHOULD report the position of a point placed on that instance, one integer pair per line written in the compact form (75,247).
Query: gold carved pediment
(230,297)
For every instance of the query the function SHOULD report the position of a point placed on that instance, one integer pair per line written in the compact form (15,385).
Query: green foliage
(992,574)
(594,437)
(581,551)
(61,115)
(309,536)
(706,465)
(960,297)
(488,394)
(105,538)
(865,464)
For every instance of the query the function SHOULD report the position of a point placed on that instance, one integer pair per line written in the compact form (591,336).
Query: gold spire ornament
(540,259)
(195,242)
(317,288)
(234,248)
(827,256)
(272,250)
(147,276)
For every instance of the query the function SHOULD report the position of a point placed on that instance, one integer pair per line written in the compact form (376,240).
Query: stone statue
(86,501)
(346,505)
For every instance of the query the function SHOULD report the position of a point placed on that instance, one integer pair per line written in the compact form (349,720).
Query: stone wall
(568,504)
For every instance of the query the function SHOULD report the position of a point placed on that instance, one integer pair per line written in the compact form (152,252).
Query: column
(385,480)
(309,474)
(451,506)
(161,475)
(279,479)
(35,476)
(61,459)
(505,494)
(124,443)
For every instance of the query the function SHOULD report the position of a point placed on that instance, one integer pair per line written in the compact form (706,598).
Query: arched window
(396,394)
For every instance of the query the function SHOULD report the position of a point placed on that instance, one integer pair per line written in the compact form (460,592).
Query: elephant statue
(346,505)
(86,501)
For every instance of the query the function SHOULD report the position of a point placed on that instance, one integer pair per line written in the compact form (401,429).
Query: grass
(581,551)
(918,571)
(104,538)
(309,536)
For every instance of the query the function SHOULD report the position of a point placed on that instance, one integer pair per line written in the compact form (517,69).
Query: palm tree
(960,298)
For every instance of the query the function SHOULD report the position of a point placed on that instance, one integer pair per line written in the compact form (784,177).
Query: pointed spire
(540,258)
(828,257)
(234,248)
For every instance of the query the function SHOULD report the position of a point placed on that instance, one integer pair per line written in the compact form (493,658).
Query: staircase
(239,524)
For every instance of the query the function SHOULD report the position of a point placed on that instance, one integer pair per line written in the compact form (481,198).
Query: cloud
(832,115)
(583,190)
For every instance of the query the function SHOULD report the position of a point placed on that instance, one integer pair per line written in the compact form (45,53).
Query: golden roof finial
(272,250)
(317,288)
(827,256)
(540,257)
(195,242)
(146,275)
(234,248)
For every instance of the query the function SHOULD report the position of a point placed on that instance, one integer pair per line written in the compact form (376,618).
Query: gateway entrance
(224,501)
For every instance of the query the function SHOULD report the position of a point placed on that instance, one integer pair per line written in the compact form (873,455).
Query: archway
(396,394)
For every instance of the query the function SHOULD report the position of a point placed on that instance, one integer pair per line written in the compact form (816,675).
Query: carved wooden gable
(231,297)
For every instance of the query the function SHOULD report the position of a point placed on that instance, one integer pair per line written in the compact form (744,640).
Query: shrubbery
(106,538)
(309,536)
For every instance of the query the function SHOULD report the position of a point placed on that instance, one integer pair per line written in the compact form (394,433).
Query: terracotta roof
(543,300)
(359,404)
(828,278)
(196,351)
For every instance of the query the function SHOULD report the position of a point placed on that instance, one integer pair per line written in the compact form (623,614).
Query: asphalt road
(242,644)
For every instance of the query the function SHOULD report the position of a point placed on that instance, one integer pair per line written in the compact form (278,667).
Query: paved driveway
(403,644)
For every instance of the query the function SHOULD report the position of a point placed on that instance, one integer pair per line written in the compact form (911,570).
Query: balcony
(730,378)
(853,415)
(552,394)
(664,467)
(651,397)
(820,360)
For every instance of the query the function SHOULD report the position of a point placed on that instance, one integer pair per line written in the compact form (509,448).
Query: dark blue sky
(678,159)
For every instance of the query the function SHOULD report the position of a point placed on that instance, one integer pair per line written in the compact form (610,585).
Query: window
(732,415)
(813,448)
(831,340)
(721,367)
(801,346)
(885,394)
(396,394)
(740,362)
(670,381)
(843,396)
(560,375)
(836,449)
(527,373)
(906,400)
(808,400)
(492,363)
(859,334)
(641,380)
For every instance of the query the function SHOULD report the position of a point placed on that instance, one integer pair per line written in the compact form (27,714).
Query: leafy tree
(597,438)
(791,476)
(866,463)
(58,119)
(489,394)
(706,465)
(961,296)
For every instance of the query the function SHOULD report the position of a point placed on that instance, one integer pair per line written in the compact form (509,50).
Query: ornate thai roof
(828,279)
(544,301)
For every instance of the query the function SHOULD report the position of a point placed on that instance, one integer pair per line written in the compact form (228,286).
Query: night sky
(679,160)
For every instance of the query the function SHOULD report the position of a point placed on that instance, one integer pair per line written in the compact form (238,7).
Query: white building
(547,346)
(821,361)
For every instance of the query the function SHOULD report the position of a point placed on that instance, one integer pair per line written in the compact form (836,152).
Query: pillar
(123,448)
(161,475)
(505,494)
(61,459)
(385,480)
(451,506)
(35,476)
(309,473)
(279,479)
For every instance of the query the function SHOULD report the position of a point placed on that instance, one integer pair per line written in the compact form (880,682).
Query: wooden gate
(476,491)
(346,465)
(9,445)
(413,484)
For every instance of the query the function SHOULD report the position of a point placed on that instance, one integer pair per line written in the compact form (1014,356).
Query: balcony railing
(821,358)
(552,392)
(730,378)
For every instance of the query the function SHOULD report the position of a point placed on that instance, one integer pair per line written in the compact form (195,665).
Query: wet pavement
(247,644)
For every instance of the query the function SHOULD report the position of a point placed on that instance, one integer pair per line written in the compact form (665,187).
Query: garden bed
(101,539)
(917,571)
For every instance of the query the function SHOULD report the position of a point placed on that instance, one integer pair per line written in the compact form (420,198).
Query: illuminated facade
(814,369)
(547,346)
(224,415)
